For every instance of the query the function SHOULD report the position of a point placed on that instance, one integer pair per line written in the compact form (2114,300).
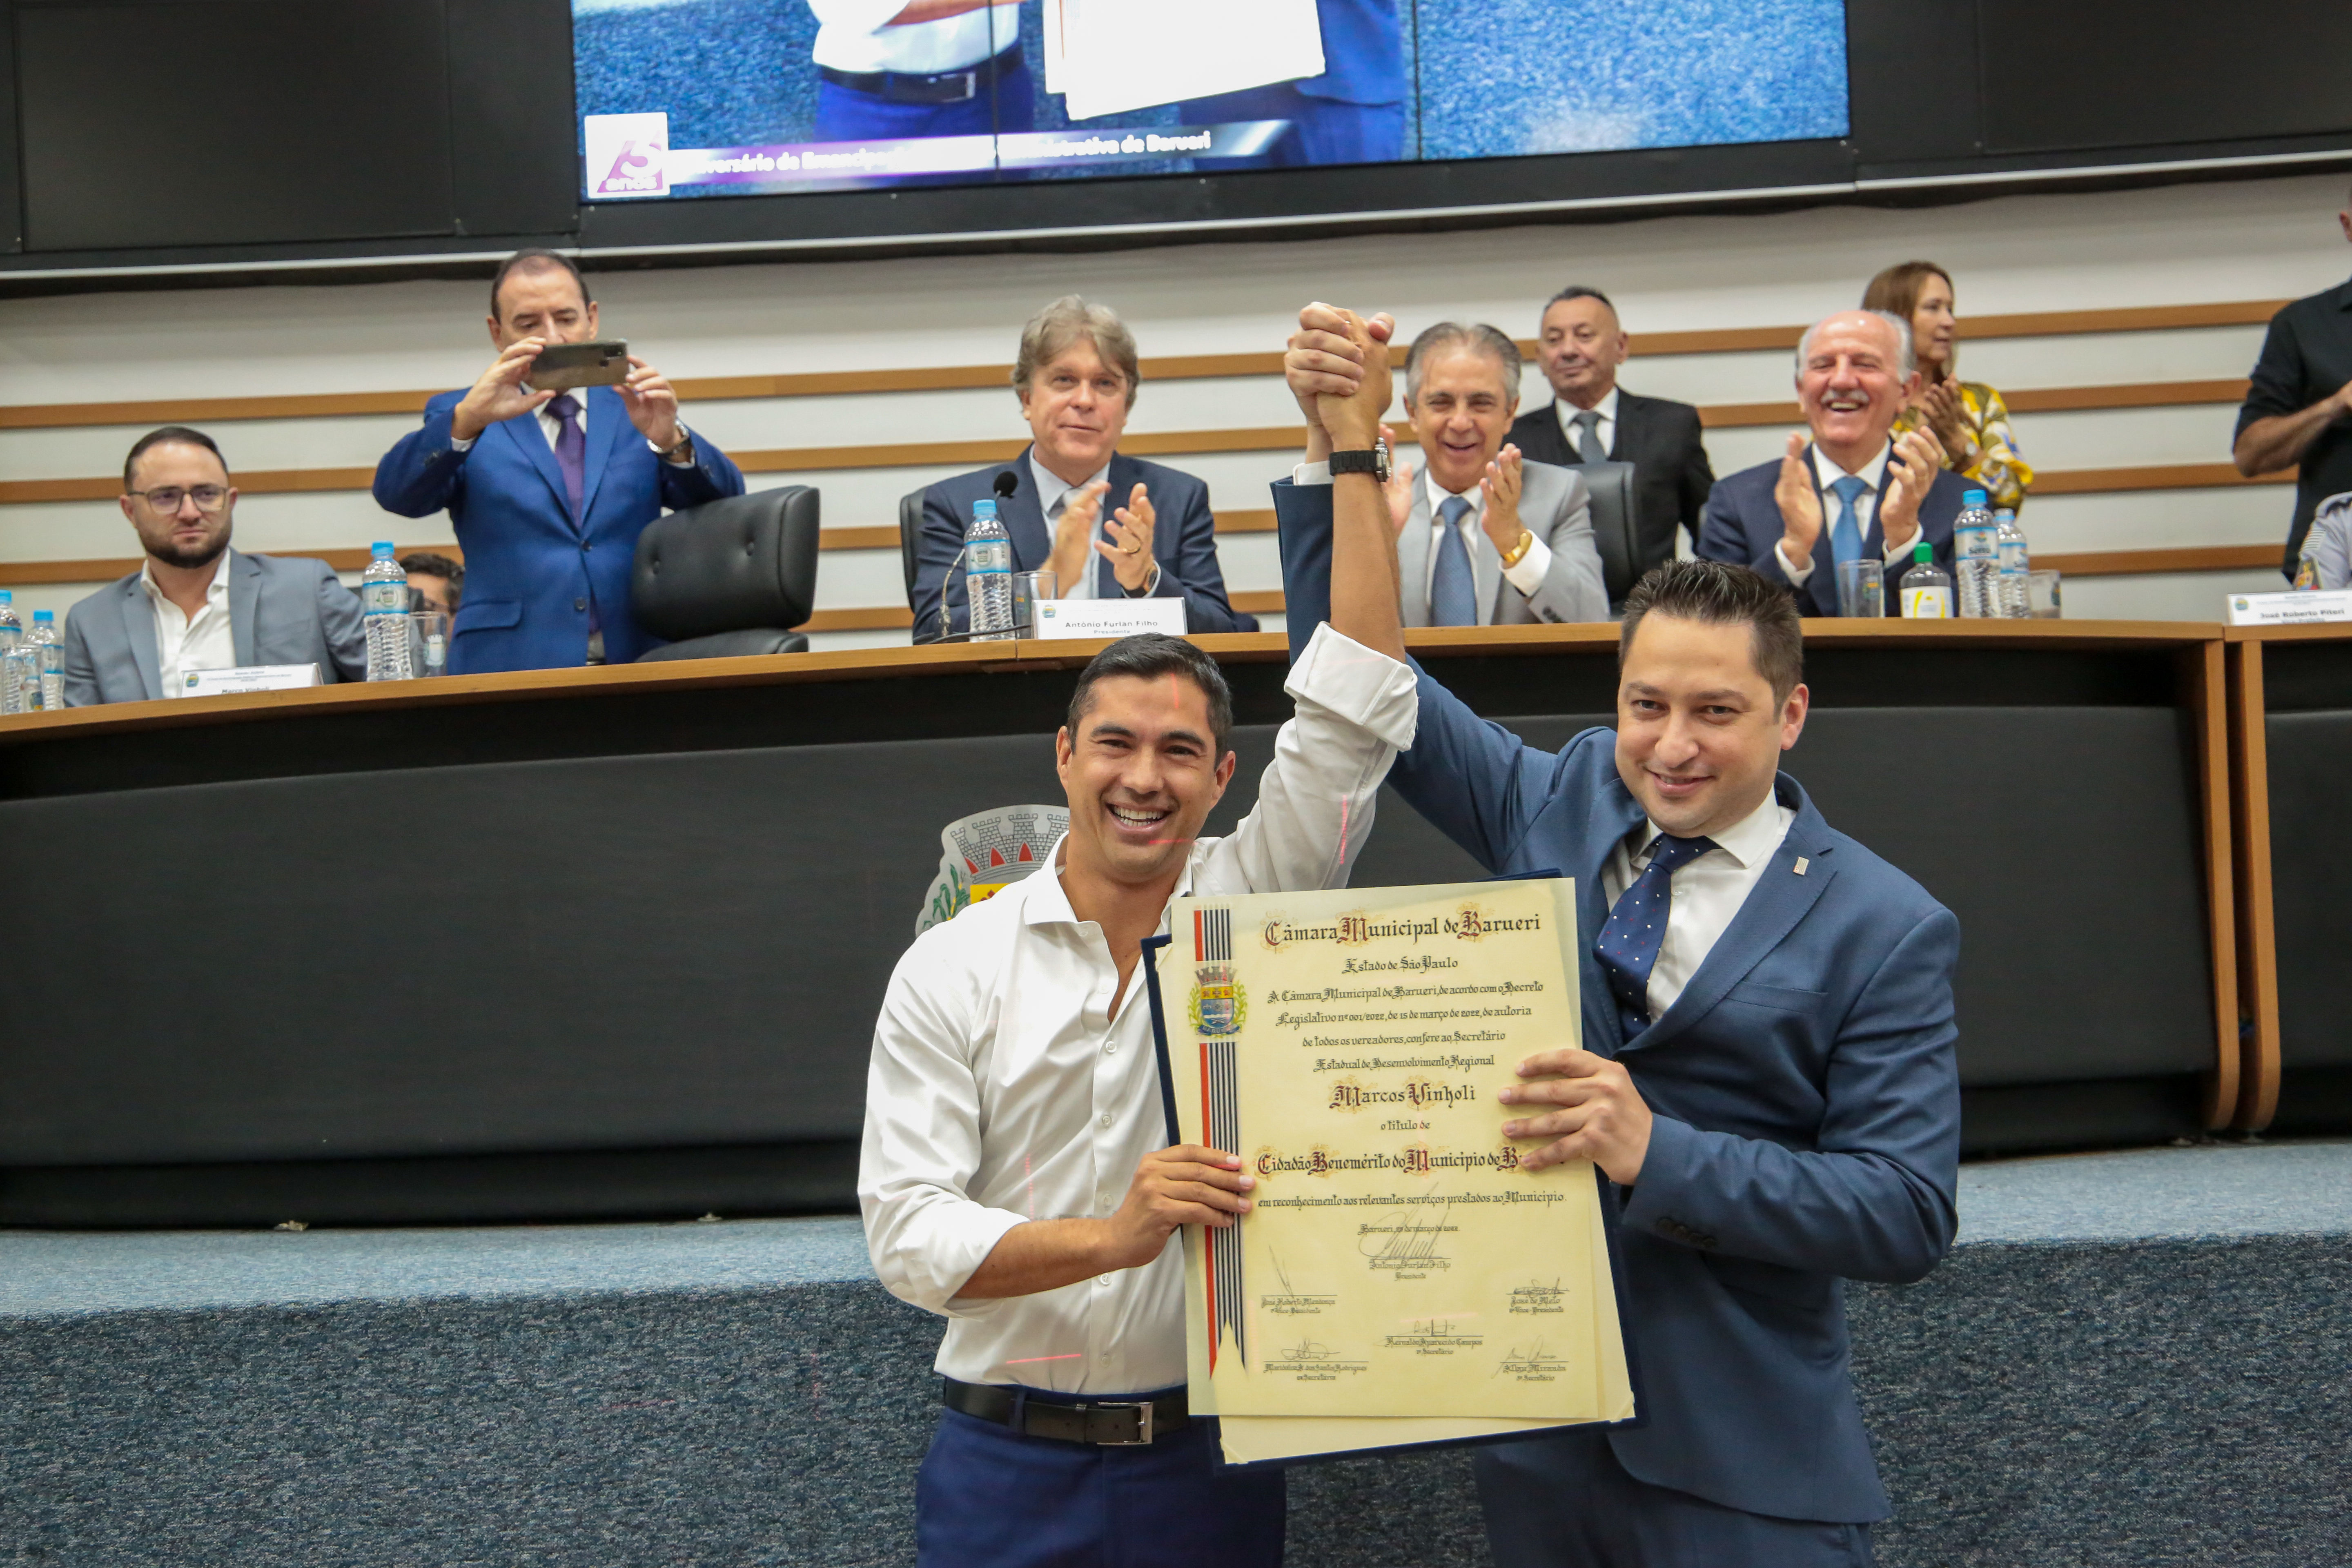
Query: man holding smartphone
(548,508)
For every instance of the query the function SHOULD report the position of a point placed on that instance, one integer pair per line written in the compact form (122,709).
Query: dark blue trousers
(1322,130)
(1564,1501)
(989,1497)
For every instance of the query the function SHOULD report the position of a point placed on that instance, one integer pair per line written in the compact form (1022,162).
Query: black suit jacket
(1671,474)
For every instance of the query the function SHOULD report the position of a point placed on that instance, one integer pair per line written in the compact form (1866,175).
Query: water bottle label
(53,692)
(1927,603)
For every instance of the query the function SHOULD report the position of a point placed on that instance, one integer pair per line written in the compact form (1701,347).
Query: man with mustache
(1851,492)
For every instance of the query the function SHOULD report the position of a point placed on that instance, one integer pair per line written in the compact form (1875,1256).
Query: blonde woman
(1968,416)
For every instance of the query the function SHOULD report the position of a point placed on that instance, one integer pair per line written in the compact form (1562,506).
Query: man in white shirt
(1485,539)
(195,604)
(1849,493)
(896,69)
(1013,1177)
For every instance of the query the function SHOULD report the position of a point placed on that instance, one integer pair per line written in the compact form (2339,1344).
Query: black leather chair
(910,527)
(1612,485)
(729,578)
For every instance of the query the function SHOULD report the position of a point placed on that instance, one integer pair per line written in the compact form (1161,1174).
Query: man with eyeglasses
(195,604)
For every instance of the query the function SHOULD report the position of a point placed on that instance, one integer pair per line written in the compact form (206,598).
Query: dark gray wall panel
(2311,878)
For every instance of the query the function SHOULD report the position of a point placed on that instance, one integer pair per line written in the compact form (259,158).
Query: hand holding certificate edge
(1181,1185)
(1603,1116)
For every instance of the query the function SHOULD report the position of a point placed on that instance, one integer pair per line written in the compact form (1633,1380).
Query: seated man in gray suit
(1485,538)
(195,604)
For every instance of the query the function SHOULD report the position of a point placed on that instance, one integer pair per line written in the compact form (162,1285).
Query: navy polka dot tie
(1629,945)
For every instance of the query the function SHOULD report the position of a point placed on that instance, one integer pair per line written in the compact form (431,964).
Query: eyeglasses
(209,497)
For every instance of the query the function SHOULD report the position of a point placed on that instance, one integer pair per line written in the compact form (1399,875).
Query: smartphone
(559,367)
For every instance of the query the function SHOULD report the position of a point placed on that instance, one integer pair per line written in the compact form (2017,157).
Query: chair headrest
(729,565)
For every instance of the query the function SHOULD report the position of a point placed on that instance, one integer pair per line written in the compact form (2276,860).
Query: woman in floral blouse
(1968,416)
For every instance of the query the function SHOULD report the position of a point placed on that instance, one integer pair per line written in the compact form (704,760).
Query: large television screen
(703,97)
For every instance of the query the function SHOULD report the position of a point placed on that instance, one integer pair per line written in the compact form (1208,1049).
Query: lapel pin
(1801,864)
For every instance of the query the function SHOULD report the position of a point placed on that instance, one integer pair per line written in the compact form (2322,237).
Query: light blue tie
(1452,595)
(1846,534)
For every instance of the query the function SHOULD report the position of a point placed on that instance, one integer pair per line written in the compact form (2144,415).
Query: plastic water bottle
(1925,590)
(384,596)
(2016,566)
(988,572)
(43,683)
(12,634)
(1976,556)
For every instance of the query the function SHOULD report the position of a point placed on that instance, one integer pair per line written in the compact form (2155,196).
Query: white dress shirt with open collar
(1707,890)
(205,641)
(1005,1087)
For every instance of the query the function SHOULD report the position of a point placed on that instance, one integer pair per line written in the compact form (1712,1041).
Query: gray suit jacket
(1554,506)
(281,610)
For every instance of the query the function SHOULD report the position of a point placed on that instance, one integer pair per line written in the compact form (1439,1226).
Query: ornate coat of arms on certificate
(1402,1278)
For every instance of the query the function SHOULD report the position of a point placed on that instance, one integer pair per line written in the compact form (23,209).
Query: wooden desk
(636,922)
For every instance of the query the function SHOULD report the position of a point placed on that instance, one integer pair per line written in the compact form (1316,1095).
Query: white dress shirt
(1004,1089)
(206,642)
(1707,890)
(1873,475)
(1054,499)
(1526,573)
(1566,412)
(854,36)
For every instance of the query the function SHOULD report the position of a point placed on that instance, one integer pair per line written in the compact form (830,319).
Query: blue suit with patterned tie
(1806,1104)
(542,571)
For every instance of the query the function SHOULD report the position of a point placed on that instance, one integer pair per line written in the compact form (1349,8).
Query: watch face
(1382,466)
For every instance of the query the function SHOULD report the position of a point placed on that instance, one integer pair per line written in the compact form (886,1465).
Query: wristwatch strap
(1365,461)
(1150,585)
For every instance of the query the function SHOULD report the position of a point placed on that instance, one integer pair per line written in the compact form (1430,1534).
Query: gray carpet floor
(2132,1359)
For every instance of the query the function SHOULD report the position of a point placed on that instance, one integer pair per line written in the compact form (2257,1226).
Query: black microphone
(1006,483)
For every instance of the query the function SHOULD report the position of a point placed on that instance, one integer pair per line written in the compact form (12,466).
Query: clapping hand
(1500,485)
(1074,532)
(1920,457)
(1946,415)
(1799,504)
(1129,550)
(1399,489)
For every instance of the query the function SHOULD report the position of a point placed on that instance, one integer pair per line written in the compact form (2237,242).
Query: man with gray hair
(1484,537)
(1849,492)
(1076,377)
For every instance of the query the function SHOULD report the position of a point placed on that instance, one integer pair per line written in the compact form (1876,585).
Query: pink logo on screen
(627,155)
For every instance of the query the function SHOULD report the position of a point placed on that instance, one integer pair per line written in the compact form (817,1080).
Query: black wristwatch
(1372,460)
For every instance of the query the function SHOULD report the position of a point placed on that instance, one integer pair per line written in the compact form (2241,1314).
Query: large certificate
(1401,1277)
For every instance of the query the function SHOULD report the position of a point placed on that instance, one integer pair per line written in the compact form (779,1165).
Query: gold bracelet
(1519,551)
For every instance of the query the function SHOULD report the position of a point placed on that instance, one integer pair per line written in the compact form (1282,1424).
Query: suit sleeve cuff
(1896,554)
(465,445)
(1796,579)
(1527,574)
(1650,1204)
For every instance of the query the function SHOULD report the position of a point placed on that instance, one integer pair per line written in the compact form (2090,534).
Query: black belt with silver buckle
(947,87)
(1106,1423)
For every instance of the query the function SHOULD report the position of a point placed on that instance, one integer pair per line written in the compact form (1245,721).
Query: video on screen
(695,98)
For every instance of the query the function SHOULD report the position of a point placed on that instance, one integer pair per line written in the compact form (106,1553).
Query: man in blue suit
(1353,113)
(1849,492)
(1076,376)
(549,491)
(1767,1073)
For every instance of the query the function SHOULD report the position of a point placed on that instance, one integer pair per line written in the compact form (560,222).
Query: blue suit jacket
(1804,1086)
(1742,524)
(1183,541)
(532,568)
(1363,53)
